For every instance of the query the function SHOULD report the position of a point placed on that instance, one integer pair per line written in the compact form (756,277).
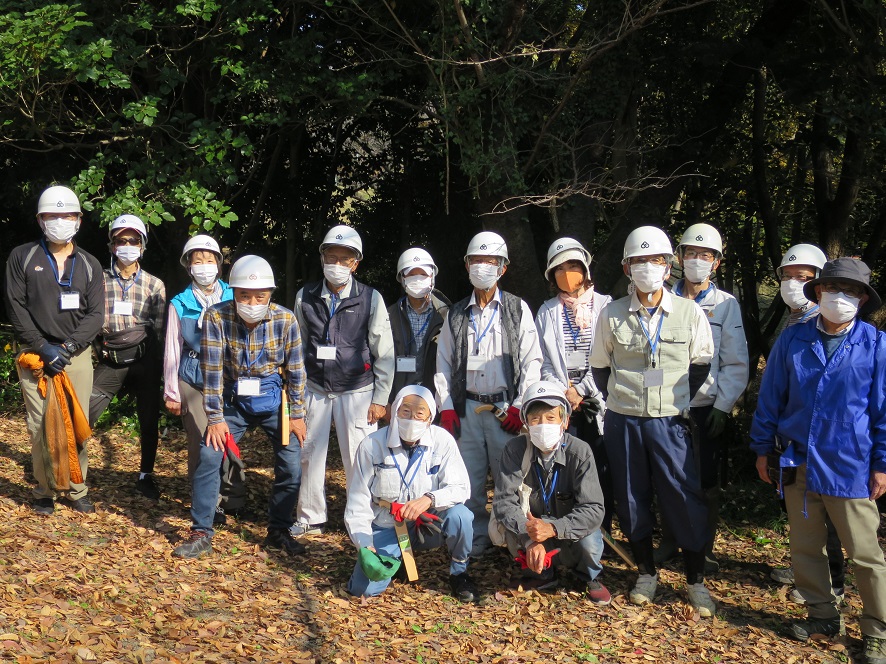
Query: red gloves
(231,447)
(549,556)
(449,421)
(512,423)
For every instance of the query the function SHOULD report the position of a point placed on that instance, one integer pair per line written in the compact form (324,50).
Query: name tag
(68,301)
(325,352)
(476,362)
(653,378)
(576,359)
(405,365)
(249,387)
(122,308)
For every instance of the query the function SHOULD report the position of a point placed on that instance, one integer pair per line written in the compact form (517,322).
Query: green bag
(377,567)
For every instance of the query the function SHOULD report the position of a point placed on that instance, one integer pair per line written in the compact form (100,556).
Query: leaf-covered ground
(105,588)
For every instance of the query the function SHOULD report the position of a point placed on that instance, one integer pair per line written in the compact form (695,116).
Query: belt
(576,373)
(486,398)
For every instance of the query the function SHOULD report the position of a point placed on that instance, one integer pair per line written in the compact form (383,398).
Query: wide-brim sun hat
(846,269)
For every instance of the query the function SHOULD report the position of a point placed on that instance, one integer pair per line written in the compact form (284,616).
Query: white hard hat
(547,392)
(343,236)
(415,257)
(567,249)
(488,243)
(803,254)
(200,243)
(251,272)
(129,221)
(58,199)
(647,241)
(702,235)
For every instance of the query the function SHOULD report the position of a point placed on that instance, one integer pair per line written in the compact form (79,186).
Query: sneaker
(701,600)
(874,650)
(299,529)
(643,591)
(82,505)
(804,629)
(463,588)
(219,518)
(281,538)
(43,506)
(666,551)
(598,593)
(783,575)
(797,598)
(199,543)
(711,565)
(147,487)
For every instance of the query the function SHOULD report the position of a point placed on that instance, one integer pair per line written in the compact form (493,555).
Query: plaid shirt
(419,323)
(147,294)
(228,348)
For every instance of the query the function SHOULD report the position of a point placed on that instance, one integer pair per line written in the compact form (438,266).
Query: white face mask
(792,294)
(412,430)
(128,254)
(838,308)
(696,270)
(60,231)
(546,437)
(204,273)
(648,277)
(337,275)
(418,285)
(252,313)
(483,275)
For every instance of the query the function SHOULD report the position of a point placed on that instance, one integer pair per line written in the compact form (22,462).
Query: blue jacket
(832,411)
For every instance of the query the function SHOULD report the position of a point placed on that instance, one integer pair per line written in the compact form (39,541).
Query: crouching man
(565,502)
(416,465)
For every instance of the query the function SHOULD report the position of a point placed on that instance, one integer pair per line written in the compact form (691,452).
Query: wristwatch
(433,500)
(70,346)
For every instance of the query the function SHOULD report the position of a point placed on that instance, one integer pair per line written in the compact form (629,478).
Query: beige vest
(631,356)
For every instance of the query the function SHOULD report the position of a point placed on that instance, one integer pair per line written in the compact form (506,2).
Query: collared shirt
(701,347)
(145,292)
(381,341)
(419,322)
(488,345)
(230,350)
(832,341)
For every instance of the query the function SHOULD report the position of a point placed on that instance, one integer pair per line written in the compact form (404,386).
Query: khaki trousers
(856,521)
(80,373)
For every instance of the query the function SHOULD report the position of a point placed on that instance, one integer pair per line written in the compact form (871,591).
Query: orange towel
(65,426)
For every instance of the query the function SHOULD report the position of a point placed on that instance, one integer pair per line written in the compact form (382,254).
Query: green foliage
(9,389)
(120,412)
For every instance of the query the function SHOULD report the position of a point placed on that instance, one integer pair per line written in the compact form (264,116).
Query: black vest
(347,330)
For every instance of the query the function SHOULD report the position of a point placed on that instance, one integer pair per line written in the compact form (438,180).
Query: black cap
(846,269)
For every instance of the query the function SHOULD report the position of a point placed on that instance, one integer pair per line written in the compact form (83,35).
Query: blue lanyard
(123,288)
(548,493)
(477,332)
(416,335)
(67,283)
(249,364)
(333,305)
(416,456)
(652,344)
(575,334)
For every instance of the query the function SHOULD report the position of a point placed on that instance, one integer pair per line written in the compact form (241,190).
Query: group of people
(593,408)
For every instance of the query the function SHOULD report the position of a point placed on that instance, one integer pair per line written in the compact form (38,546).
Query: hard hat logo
(559,247)
(253,277)
(540,390)
(699,238)
(417,259)
(792,258)
(644,245)
(483,247)
(338,237)
(60,204)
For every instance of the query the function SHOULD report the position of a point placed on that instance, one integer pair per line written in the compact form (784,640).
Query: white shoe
(643,591)
(701,600)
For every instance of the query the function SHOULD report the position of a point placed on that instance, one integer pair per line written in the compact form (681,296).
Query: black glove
(55,357)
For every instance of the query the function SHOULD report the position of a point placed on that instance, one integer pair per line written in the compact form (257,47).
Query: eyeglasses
(801,278)
(131,241)
(404,413)
(707,256)
(332,259)
(653,260)
(483,260)
(847,289)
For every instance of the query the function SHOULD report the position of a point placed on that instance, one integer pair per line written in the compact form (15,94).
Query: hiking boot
(784,575)
(43,506)
(797,598)
(219,518)
(874,650)
(299,529)
(147,487)
(81,505)
(701,600)
(643,591)
(463,588)
(280,538)
(598,593)
(711,565)
(199,543)
(804,629)
(666,551)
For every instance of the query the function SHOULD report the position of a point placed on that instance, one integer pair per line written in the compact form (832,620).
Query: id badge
(575,359)
(405,365)
(476,363)
(122,308)
(325,352)
(249,387)
(653,378)
(69,301)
